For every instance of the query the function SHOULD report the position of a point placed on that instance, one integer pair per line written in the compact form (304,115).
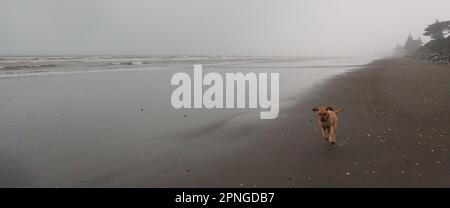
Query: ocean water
(33,66)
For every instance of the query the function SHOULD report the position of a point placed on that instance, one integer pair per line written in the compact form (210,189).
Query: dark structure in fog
(412,45)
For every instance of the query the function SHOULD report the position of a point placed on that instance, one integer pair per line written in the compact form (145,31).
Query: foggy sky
(212,27)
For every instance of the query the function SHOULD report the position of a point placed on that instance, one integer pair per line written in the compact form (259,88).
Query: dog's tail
(339,110)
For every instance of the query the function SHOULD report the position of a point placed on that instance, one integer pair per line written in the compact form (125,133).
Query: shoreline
(56,130)
(393,133)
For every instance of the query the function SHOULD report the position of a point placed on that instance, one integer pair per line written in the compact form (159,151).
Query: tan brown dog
(328,122)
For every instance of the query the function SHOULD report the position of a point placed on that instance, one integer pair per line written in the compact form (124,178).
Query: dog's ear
(329,108)
(315,109)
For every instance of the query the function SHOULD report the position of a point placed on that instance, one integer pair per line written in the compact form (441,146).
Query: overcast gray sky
(212,27)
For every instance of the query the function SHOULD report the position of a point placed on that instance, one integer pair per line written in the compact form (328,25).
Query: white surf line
(137,68)
(81,71)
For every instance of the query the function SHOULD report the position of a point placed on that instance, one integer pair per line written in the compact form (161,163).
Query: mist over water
(212,27)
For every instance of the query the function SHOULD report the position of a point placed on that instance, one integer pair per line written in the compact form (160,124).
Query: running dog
(327,122)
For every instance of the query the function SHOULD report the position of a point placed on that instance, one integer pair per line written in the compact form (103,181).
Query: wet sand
(393,133)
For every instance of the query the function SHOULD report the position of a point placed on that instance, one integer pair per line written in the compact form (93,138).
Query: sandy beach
(393,132)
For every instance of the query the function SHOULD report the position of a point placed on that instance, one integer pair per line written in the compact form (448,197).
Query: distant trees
(412,45)
(438,30)
(437,50)
(438,46)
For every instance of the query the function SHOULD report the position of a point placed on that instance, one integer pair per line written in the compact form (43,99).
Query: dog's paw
(333,144)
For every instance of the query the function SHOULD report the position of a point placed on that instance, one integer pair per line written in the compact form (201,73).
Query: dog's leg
(327,131)
(324,133)
(332,135)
